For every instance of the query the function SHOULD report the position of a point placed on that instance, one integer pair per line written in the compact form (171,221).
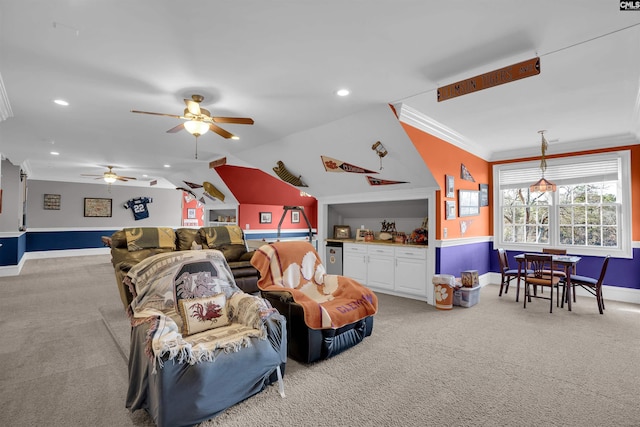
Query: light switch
(444,232)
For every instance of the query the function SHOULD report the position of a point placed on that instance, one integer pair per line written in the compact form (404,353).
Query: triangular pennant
(192,184)
(465,174)
(377,181)
(335,165)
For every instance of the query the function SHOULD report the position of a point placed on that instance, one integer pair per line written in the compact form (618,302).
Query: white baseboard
(67,253)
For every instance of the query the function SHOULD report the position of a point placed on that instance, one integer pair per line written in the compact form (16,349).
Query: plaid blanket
(328,300)
(160,281)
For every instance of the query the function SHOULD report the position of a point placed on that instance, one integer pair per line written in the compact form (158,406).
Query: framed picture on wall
(484,194)
(468,203)
(97,207)
(449,181)
(450,209)
(52,202)
(265,217)
(295,217)
(191,213)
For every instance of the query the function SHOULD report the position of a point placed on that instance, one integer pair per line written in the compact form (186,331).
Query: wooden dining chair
(507,274)
(541,265)
(591,285)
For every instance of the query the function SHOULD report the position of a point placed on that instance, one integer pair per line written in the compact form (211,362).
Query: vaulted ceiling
(281,62)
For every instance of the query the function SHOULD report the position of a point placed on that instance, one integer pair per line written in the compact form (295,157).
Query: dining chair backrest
(604,270)
(554,251)
(504,261)
(540,264)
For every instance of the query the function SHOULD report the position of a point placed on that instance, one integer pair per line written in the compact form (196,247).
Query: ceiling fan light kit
(196,128)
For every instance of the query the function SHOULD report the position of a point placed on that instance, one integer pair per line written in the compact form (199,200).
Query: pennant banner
(192,184)
(335,165)
(377,181)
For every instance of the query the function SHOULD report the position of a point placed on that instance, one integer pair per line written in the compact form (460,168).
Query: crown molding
(420,121)
(5,107)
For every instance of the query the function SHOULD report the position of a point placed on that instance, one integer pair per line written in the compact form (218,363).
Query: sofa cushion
(202,314)
(232,253)
(185,238)
(215,237)
(150,237)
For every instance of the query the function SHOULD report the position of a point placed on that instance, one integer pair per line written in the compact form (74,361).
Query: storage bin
(466,297)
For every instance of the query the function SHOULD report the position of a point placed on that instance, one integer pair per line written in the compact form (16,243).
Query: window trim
(624,251)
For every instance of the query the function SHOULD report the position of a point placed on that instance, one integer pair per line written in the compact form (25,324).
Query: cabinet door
(411,271)
(354,262)
(380,267)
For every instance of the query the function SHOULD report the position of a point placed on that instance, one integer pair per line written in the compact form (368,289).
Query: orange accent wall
(188,202)
(443,158)
(635,179)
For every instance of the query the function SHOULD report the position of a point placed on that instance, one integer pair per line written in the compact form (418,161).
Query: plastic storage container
(466,297)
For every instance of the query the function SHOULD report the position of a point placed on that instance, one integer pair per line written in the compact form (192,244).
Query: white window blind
(561,172)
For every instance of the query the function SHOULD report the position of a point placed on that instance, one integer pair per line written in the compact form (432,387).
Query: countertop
(376,242)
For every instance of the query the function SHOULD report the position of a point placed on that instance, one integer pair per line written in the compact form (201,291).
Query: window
(586,215)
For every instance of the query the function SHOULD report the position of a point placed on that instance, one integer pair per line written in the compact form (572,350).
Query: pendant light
(543,185)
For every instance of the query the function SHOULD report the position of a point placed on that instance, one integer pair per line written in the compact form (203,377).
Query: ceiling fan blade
(193,107)
(158,114)
(125,177)
(223,133)
(121,178)
(237,120)
(176,128)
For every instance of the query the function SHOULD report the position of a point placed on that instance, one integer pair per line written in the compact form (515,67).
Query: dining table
(569,263)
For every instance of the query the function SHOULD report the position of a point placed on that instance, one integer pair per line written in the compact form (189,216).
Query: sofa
(326,314)
(198,343)
(132,245)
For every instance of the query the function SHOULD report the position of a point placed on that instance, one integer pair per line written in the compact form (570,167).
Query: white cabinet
(411,270)
(399,270)
(380,266)
(354,262)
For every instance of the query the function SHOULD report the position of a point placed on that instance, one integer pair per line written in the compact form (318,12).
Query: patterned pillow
(202,314)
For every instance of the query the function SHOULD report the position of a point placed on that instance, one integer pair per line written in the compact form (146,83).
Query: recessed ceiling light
(55,153)
(145,175)
(342,92)
(167,166)
(61,102)
(236,137)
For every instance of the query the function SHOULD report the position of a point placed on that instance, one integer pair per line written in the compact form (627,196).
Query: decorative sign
(97,207)
(52,202)
(377,181)
(508,74)
(335,165)
(215,163)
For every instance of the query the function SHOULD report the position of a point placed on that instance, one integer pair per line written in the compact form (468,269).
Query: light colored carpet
(65,342)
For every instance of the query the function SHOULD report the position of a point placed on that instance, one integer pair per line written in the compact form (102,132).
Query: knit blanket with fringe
(328,300)
(161,280)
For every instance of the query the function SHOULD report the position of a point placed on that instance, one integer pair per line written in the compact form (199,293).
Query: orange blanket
(328,300)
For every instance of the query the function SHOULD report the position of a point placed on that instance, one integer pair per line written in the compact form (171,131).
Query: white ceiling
(280,62)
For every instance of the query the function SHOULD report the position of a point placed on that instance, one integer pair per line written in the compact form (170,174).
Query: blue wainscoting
(460,257)
(12,249)
(62,240)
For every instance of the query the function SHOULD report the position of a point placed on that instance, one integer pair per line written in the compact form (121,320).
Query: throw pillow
(202,314)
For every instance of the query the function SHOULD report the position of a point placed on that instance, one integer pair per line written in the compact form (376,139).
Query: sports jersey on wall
(138,206)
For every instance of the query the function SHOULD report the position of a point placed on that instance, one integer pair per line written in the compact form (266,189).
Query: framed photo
(191,213)
(265,217)
(468,203)
(449,180)
(52,202)
(360,233)
(97,207)
(484,194)
(295,217)
(450,209)
(341,232)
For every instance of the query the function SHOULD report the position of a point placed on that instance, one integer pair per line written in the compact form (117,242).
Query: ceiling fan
(199,121)
(110,176)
